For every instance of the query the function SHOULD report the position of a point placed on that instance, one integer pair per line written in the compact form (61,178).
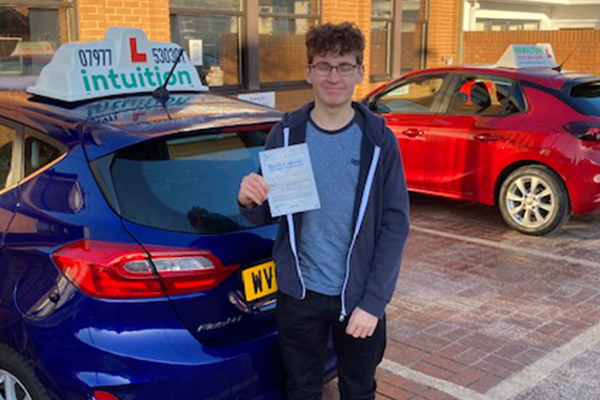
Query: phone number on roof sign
(167,55)
(103,57)
(95,57)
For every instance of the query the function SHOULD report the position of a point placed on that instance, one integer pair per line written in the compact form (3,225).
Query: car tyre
(534,200)
(17,378)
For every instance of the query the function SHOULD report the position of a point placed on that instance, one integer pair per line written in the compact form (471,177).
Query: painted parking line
(460,392)
(541,369)
(502,246)
(526,379)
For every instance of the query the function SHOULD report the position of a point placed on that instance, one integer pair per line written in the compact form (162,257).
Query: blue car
(126,270)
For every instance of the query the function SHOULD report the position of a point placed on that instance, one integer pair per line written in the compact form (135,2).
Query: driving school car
(522,134)
(126,270)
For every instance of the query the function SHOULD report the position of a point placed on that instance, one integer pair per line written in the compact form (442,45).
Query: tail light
(583,130)
(122,271)
(102,395)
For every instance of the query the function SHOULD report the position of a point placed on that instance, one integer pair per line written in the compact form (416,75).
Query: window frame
(390,42)
(16,161)
(18,155)
(488,23)
(30,132)
(454,86)
(242,20)
(448,78)
(69,5)
(255,19)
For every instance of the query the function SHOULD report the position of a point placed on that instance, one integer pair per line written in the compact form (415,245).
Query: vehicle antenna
(559,67)
(162,93)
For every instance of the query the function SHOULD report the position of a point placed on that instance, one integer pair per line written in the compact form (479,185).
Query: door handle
(413,132)
(486,137)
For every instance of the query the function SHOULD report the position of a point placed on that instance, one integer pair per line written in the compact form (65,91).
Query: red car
(527,140)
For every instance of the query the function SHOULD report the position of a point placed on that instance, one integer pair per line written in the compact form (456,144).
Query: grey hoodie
(380,217)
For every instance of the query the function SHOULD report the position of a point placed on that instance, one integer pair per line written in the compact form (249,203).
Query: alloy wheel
(11,388)
(530,201)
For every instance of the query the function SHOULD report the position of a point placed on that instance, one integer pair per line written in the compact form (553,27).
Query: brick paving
(475,314)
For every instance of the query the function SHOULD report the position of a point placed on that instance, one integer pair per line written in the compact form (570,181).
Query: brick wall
(442,37)
(487,47)
(96,16)
(359,12)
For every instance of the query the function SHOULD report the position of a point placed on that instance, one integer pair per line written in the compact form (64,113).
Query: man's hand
(361,324)
(253,191)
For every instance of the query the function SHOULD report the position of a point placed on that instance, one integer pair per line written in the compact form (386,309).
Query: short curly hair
(340,39)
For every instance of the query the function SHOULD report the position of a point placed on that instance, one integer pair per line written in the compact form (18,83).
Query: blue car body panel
(150,349)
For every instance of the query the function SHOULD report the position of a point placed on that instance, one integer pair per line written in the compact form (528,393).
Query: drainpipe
(425,37)
(461,23)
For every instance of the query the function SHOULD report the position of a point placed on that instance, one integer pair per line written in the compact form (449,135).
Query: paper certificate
(289,173)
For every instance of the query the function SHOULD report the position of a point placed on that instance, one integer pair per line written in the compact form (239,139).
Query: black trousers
(304,327)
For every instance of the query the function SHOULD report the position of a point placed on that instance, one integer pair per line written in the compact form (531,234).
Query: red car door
(409,107)
(476,122)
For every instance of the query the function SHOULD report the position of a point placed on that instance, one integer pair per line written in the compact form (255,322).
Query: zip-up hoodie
(381,220)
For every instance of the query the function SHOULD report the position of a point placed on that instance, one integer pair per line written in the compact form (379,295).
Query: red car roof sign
(124,62)
(518,56)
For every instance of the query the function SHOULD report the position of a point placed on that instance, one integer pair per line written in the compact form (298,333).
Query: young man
(336,266)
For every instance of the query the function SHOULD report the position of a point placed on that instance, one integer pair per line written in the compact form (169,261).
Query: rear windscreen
(587,97)
(187,184)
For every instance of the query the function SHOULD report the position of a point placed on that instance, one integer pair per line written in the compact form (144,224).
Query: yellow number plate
(259,281)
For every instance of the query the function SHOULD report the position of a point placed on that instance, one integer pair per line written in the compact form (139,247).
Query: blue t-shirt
(327,232)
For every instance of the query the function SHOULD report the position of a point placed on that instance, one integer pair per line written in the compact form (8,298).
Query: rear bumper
(584,186)
(151,356)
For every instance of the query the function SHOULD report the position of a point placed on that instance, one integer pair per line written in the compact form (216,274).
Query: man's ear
(361,72)
(308,75)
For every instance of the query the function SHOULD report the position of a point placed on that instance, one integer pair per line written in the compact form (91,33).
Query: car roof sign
(519,56)
(124,62)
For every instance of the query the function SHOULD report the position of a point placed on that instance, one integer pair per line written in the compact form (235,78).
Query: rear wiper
(161,93)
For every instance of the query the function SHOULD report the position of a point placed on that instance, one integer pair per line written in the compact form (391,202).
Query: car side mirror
(379,108)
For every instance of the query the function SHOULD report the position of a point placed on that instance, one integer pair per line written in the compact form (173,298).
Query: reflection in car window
(486,95)
(587,97)
(38,154)
(186,184)
(414,97)
(7,139)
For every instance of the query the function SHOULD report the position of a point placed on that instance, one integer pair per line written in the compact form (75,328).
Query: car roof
(124,120)
(543,76)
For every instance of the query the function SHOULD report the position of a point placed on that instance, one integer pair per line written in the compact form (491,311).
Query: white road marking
(541,369)
(460,392)
(524,380)
(530,376)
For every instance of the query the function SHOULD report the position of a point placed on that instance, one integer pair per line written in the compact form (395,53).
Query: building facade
(257,46)
(239,46)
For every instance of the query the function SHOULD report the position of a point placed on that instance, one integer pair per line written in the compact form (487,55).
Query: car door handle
(486,137)
(413,132)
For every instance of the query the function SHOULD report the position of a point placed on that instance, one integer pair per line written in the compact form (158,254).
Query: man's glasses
(324,69)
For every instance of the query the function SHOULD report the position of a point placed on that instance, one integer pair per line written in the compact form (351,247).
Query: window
(488,96)
(382,13)
(209,32)
(29,36)
(38,154)
(414,26)
(7,171)
(506,25)
(413,97)
(186,184)
(282,25)
(587,97)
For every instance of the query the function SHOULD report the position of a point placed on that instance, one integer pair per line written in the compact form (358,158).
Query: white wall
(551,14)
